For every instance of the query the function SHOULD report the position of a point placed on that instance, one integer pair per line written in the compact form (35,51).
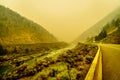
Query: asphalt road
(111,61)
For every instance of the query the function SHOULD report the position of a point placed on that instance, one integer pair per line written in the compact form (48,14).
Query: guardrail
(95,71)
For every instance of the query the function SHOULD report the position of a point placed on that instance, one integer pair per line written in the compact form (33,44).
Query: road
(111,61)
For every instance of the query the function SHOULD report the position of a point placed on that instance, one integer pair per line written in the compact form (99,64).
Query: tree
(107,26)
(117,22)
(102,35)
(113,23)
(2,50)
(26,50)
(15,50)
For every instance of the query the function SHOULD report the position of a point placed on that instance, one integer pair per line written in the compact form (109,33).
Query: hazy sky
(66,19)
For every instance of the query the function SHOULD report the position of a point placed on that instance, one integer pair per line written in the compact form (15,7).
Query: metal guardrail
(95,71)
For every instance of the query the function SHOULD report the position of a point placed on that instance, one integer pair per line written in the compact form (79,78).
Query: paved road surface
(111,62)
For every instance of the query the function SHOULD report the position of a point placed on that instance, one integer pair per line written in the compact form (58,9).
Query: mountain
(95,29)
(109,34)
(16,29)
(113,38)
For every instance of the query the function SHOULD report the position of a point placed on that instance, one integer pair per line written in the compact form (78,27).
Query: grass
(64,64)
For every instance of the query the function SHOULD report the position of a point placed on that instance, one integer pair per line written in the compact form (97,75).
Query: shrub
(63,75)
(29,72)
(80,58)
(26,50)
(52,73)
(15,50)
(45,64)
(89,59)
(43,77)
(2,50)
(80,68)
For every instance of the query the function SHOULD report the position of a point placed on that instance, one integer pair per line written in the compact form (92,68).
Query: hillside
(95,29)
(64,64)
(112,38)
(112,34)
(109,34)
(15,29)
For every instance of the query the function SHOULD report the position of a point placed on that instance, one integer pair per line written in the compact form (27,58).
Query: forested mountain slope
(96,29)
(15,29)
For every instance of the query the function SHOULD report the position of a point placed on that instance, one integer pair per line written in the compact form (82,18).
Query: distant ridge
(15,29)
(94,30)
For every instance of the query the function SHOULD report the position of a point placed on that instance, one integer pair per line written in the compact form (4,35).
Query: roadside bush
(73,73)
(80,58)
(63,76)
(21,68)
(45,64)
(29,72)
(15,50)
(26,50)
(52,73)
(80,75)
(43,77)
(89,59)
(2,50)
(80,68)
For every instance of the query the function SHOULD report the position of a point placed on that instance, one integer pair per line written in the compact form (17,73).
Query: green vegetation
(15,55)
(15,29)
(27,51)
(102,35)
(70,64)
(113,38)
(110,33)
(21,42)
(110,20)
(2,50)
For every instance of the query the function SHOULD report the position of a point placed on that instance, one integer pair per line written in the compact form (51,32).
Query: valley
(28,51)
